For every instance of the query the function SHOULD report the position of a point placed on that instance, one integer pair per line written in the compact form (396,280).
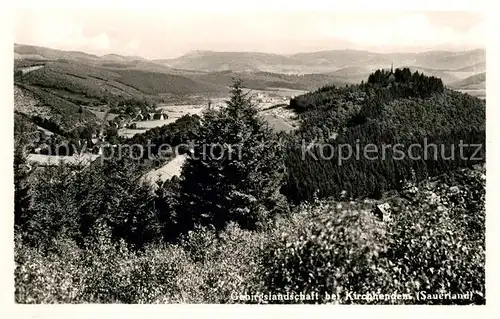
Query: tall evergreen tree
(22,196)
(235,169)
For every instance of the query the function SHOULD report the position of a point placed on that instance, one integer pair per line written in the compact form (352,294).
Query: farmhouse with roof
(160,115)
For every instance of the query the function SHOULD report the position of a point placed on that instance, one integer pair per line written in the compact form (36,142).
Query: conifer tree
(235,169)
(22,196)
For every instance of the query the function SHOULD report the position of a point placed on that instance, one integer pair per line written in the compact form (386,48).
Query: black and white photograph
(175,156)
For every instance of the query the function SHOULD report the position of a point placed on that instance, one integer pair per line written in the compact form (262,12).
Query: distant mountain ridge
(474,82)
(210,72)
(29,51)
(299,63)
(121,58)
(323,61)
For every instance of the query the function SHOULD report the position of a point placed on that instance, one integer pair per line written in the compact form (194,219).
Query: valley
(128,91)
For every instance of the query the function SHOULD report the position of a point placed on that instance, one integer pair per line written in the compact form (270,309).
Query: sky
(167,33)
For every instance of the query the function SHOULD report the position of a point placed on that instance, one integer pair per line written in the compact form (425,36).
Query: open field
(167,171)
(463,74)
(480,93)
(128,132)
(177,111)
(53,160)
(278,123)
(285,92)
(174,112)
(279,118)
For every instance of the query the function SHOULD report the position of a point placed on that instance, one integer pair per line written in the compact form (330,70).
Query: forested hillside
(474,82)
(265,80)
(390,109)
(42,108)
(322,61)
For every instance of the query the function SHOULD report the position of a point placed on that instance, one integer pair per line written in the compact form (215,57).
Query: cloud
(100,42)
(167,33)
(47,30)
(478,34)
(60,31)
(133,45)
(403,30)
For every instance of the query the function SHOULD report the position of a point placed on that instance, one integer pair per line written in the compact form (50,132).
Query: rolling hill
(475,82)
(38,109)
(447,60)
(266,80)
(336,59)
(67,80)
(478,67)
(220,61)
(23,51)
(346,66)
(411,109)
(446,76)
(322,61)
(95,81)
(37,54)
(94,84)
(121,58)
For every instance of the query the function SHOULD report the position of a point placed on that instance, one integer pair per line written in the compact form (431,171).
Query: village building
(41,160)
(382,212)
(392,77)
(160,115)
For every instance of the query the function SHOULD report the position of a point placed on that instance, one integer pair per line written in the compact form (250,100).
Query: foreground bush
(102,272)
(202,269)
(438,238)
(433,244)
(334,253)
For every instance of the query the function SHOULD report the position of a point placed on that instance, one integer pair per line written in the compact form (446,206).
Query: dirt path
(29,69)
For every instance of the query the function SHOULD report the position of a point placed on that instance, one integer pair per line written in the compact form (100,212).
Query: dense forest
(182,131)
(389,109)
(265,218)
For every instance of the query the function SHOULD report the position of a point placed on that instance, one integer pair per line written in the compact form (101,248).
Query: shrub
(332,254)
(105,271)
(438,242)
(41,278)
(433,244)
